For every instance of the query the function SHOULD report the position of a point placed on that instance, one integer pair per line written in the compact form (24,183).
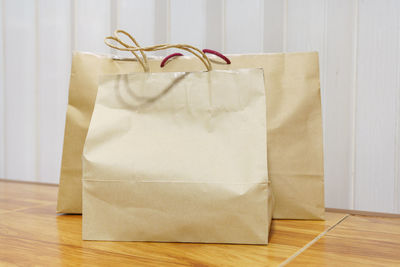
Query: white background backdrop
(358,42)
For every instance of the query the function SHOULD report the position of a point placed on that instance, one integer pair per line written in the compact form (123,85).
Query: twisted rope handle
(118,40)
(126,47)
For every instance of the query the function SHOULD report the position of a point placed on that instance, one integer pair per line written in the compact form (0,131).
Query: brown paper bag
(178,157)
(295,152)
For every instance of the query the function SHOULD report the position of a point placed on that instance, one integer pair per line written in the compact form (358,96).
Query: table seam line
(309,244)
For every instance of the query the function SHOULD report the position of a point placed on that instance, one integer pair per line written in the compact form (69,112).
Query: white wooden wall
(358,42)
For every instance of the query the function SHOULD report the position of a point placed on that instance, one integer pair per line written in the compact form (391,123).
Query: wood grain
(357,241)
(31,233)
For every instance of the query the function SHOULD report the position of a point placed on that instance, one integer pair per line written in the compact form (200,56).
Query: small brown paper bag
(178,157)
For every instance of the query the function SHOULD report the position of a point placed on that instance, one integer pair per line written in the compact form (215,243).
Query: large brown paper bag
(178,157)
(295,152)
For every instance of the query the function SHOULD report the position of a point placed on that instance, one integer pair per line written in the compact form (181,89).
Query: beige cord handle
(118,39)
(126,47)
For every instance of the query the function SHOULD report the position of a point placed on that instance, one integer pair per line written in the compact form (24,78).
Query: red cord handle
(218,54)
(168,57)
(206,51)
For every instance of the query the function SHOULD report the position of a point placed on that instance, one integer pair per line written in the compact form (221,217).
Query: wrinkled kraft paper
(178,157)
(295,152)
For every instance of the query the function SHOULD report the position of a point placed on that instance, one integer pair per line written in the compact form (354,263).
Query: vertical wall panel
(329,29)
(92,24)
(2,96)
(338,102)
(306,31)
(54,57)
(397,156)
(397,142)
(162,23)
(377,78)
(138,18)
(215,24)
(244,26)
(274,11)
(306,23)
(20,89)
(188,22)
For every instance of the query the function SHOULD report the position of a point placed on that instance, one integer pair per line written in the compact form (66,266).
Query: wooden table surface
(32,234)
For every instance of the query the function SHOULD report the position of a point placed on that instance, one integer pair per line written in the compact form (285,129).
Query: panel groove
(273,25)
(3,163)
(168,36)
(323,59)
(161,24)
(223,36)
(214,25)
(114,14)
(397,135)
(262,26)
(355,89)
(73,24)
(285,26)
(36,89)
